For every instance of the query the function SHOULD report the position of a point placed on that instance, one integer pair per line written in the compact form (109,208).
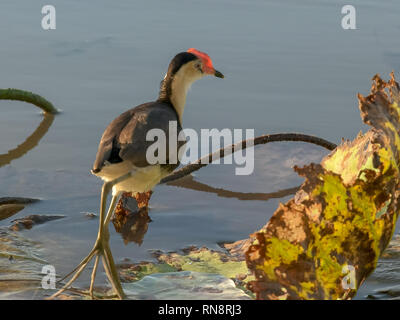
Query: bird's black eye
(198,66)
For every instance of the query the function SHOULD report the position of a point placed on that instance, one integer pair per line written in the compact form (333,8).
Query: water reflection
(188,182)
(132,222)
(30,142)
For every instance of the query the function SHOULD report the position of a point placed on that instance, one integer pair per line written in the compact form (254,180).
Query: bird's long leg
(99,247)
(105,252)
(111,209)
(103,231)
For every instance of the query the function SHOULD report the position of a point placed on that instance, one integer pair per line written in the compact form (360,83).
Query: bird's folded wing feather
(125,137)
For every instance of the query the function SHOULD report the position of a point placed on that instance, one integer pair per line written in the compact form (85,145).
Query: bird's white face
(183,79)
(190,72)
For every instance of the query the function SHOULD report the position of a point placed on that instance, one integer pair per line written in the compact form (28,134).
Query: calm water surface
(289,67)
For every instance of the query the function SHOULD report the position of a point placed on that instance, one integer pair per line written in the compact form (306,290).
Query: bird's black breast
(125,137)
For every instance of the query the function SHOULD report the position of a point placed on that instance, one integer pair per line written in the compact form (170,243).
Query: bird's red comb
(207,63)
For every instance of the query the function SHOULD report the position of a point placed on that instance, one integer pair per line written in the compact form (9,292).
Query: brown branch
(278,137)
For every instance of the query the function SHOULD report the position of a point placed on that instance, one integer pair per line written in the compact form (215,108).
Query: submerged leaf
(20,265)
(183,286)
(29,221)
(202,260)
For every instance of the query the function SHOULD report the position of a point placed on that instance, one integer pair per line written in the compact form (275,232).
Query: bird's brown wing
(125,137)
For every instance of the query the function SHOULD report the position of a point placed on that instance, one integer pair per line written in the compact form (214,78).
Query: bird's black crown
(176,63)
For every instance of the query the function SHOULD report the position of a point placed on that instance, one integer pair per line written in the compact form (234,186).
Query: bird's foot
(101,250)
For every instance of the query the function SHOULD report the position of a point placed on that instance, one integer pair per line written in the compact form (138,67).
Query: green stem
(26,96)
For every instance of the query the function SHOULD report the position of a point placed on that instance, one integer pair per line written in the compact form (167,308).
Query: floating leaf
(8,210)
(343,216)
